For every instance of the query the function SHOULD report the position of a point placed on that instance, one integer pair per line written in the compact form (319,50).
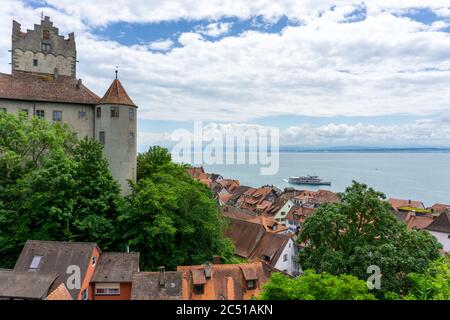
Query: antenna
(42,15)
(117,71)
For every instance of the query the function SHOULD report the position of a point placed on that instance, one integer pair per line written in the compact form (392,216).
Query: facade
(43,83)
(440,228)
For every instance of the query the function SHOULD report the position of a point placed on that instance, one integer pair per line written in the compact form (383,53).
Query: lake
(416,176)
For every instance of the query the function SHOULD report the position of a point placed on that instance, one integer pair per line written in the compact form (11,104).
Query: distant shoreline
(366,150)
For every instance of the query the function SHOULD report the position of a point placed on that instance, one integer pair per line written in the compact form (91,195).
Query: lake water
(416,176)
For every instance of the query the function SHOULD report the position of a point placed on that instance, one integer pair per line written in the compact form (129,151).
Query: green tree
(433,283)
(55,187)
(361,231)
(315,286)
(170,218)
(151,160)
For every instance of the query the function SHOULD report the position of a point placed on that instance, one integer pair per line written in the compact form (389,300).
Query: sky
(325,73)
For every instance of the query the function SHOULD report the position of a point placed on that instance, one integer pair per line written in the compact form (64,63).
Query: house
(405,205)
(296,216)
(280,214)
(236,194)
(223,281)
(439,208)
(315,198)
(417,222)
(253,242)
(267,222)
(161,285)
(258,200)
(440,228)
(113,276)
(44,265)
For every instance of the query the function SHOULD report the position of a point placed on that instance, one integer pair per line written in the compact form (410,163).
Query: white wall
(280,216)
(443,239)
(288,266)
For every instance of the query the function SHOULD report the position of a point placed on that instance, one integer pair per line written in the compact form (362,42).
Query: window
(267,258)
(199,288)
(35,62)
(40,113)
(114,112)
(25,112)
(46,35)
(94,261)
(131,138)
(131,113)
(251,284)
(285,257)
(107,291)
(101,137)
(35,262)
(99,112)
(82,113)
(57,115)
(85,294)
(46,47)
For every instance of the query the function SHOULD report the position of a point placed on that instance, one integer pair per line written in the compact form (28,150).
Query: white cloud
(215,29)
(161,45)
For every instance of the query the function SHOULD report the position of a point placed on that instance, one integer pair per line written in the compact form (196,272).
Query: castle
(43,83)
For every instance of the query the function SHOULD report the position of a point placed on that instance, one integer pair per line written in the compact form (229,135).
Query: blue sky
(326,73)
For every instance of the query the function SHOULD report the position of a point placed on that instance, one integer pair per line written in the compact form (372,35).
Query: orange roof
(226,281)
(418,222)
(398,203)
(60,293)
(116,94)
(439,207)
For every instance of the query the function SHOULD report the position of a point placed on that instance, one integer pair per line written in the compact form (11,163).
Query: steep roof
(25,285)
(146,286)
(441,223)
(270,247)
(40,87)
(245,236)
(56,257)
(116,267)
(116,94)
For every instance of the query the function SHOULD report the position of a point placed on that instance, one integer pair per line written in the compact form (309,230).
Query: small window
(131,138)
(199,288)
(46,47)
(251,284)
(285,257)
(107,291)
(25,112)
(267,258)
(99,112)
(35,62)
(40,113)
(35,262)
(94,261)
(131,113)
(85,294)
(46,35)
(82,113)
(101,137)
(57,115)
(114,112)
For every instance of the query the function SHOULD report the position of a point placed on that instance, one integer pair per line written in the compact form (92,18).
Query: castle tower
(115,128)
(43,50)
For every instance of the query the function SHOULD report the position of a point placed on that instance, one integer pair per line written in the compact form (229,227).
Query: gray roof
(441,223)
(116,267)
(56,257)
(146,286)
(25,285)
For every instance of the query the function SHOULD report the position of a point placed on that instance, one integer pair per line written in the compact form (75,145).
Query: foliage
(52,187)
(170,218)
(361,231)
(315,286)
(433,283)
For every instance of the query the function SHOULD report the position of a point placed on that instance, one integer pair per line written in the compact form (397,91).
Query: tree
(314,286)
(433,283)
(55,187)
(361,231)
(170,218)
(151,160)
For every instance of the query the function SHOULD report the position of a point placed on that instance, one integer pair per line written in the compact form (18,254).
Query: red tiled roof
(398,203)
(116,94)
(40,87)
(439,207)
(418,222)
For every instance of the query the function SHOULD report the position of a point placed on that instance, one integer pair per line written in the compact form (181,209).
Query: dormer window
(94,261)
(34,265)
(199,288)
(251,284)
(46,47)
(267,258)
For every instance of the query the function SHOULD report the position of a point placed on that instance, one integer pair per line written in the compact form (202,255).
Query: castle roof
(45,87)
(116,94)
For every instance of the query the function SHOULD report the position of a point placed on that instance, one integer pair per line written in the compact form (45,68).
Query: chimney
(217,259)
(208,270)
(79,83)
(409,201)
(162,276)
